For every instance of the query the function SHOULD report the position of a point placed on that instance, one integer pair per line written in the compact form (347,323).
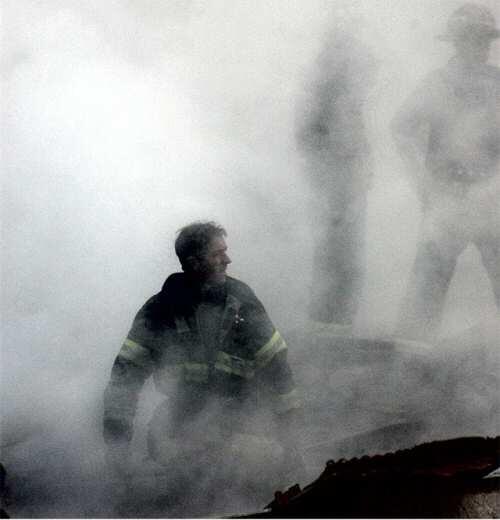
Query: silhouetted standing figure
(448,132)
(333,139)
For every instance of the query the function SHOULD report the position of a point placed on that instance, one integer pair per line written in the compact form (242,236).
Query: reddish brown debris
(473,456)
(429,480)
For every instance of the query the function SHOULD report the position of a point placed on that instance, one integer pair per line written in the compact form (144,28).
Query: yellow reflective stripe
(135,352)
(286,402)
(197,372)
(234,365)
(270,349)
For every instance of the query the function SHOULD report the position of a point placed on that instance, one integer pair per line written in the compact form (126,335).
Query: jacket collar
(182,297)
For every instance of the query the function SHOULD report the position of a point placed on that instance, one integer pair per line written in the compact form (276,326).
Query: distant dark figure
(209,335)
(448,132)
(333,139)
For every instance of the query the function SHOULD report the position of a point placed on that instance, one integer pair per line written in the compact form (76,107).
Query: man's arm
(276,375)
(121,396)
(132,366)
(276,378)
(410,131)
(270,357)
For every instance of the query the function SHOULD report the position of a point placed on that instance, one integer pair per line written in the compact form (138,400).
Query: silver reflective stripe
(234,365)
(135,353)
(286,402)
(270,349)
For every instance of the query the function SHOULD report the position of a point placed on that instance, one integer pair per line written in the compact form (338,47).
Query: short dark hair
(193,239)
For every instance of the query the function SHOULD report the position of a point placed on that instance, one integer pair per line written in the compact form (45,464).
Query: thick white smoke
(124,120)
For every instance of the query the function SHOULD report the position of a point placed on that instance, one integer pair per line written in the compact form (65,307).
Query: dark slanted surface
(432,409)
(442,479)
(365,396)
(3,491)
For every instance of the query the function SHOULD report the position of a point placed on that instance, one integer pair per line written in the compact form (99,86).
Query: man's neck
(213,293)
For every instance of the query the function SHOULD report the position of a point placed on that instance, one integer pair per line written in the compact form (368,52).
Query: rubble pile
(450,478)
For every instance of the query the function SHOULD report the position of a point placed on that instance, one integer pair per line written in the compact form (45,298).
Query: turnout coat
(246,368)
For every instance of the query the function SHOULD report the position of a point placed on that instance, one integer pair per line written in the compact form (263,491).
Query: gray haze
(122,121)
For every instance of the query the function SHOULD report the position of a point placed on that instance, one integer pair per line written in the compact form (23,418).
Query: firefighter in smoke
(332,138)
(209,333)
(448,133)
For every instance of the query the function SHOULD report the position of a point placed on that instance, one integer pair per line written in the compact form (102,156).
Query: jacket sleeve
(132,366)
(272,368)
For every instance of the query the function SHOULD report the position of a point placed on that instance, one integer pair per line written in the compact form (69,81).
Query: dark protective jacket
(247,366)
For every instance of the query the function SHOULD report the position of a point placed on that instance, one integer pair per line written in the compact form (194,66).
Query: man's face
(213,264)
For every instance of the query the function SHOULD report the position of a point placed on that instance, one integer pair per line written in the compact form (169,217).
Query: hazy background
(123,121)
